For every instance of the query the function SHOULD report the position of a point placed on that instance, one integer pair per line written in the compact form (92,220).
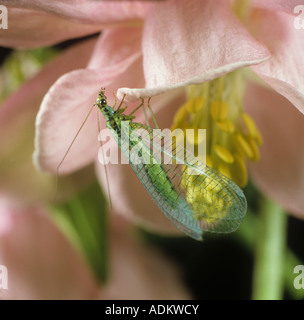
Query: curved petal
(129,197)
(115,46)
(17,119)
(70,99)
(138,273)
(280,172)
(41,263)
(285,69)
(83,11)
(62,112)
(188,42)
(30,29)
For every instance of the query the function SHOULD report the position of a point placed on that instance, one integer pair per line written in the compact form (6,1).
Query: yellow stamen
(219,110)
(224,154)
(209,162)
(243,146)
(194,105)
(226,126)
(254,149)
(231,134)
(225,170)
(240,171)
(195,139)
(252,128)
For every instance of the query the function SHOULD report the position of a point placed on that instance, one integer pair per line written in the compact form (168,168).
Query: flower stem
(268,281)
(83,219)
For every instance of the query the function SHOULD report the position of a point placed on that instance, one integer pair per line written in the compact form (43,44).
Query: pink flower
(19,178)
(176,44)
(41,263)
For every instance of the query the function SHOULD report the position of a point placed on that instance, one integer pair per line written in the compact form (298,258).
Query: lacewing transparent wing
(194,197)
(191,195)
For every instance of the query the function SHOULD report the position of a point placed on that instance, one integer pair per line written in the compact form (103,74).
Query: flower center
(231,134)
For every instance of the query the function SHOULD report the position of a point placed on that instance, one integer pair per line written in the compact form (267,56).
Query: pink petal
(61,115)
(138,273)
(129,197)
(70,99)
(30,28)
(115,46)
(280,172)
(17,122)
(283,5)
(188,42)
(41,263)
(284,71)
(87,12)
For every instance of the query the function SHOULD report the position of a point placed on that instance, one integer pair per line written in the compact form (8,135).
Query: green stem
(83,219)
(268,281)
(247,236)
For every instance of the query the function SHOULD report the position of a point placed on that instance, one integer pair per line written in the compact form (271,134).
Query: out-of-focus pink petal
(83,11)
(17,119)
(280,172)
(41,263)
(284,71)
(138,273)
(282,5)
(129,197)
(67,103)
(188,42)
(62,112)
(30,28)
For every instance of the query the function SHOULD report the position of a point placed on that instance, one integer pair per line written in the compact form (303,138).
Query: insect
(194,197)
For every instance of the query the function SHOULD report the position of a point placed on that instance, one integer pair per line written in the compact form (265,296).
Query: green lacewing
(202,201)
